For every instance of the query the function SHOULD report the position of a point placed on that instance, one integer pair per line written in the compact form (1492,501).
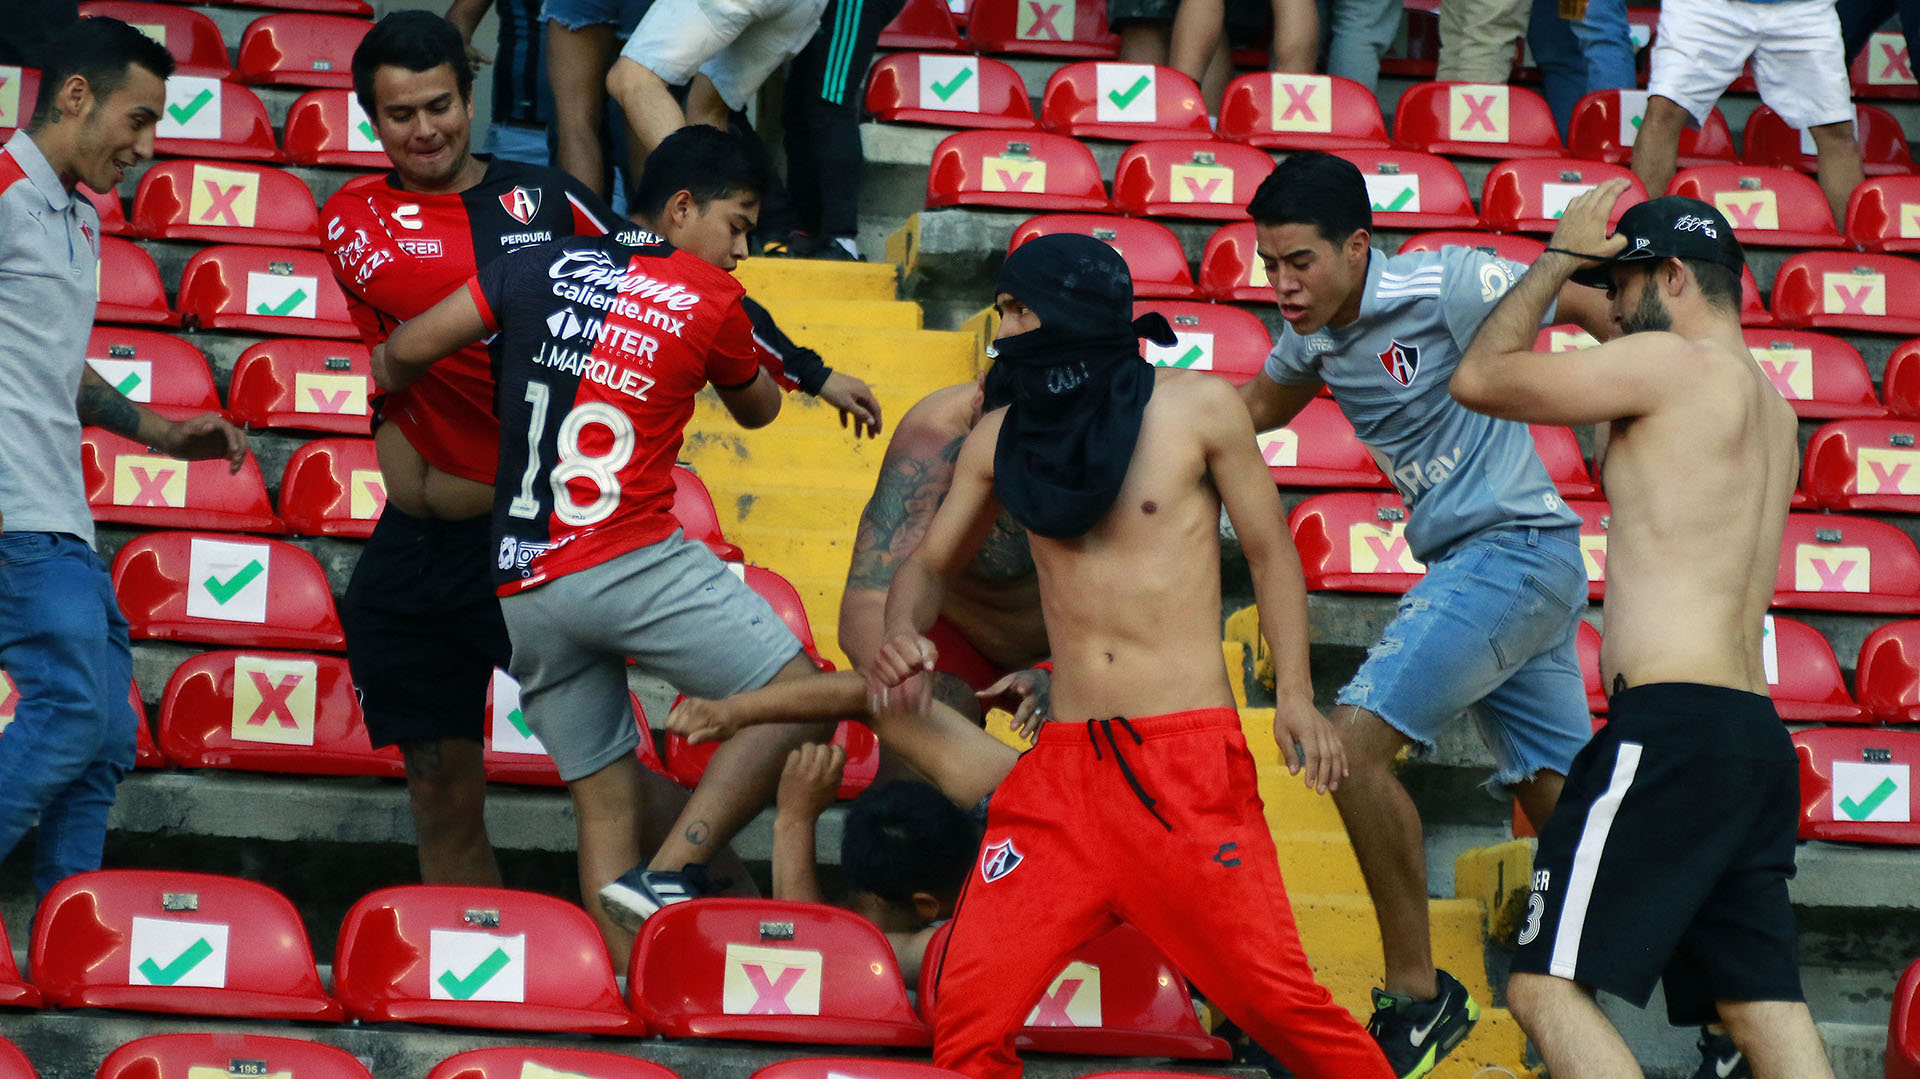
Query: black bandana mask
(1075,388)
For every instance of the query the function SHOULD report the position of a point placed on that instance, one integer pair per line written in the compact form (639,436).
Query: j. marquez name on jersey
(614,376)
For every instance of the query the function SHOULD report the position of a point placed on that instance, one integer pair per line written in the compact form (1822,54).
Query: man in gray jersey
(1491,625)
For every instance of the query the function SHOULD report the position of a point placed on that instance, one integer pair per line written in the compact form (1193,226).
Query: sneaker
(639,892)
(1720,1058)
(837,249)
(794,245)
(1416,1034)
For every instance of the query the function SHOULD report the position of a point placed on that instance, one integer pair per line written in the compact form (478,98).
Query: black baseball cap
(1672,226)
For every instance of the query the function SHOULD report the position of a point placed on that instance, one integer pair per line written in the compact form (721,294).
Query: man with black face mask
(1139,803)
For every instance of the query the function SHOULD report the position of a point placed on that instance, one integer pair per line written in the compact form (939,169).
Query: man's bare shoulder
(1202,401)
(936,419)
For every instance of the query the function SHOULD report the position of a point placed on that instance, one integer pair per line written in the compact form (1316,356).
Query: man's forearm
(100,405)
(1280,591)
(802,700)
(913,603)
(795,877)
(1515,320)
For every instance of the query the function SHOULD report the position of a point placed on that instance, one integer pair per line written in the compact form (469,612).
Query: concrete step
(795,314)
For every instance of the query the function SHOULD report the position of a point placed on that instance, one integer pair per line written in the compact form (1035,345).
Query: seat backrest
(1317,448)
(531,1061)
(1353,541)
(1563,337)
(304,384)
(266,290)
(1767,207)
(300,49)
(1883,214)
(1887,677)
(1586,647)
(1883,69)
(1033,170)
(15,991)
(1110,100)
(113,216)
(1521,249)
(1530,194)
(202,1055)
(192,38)
(19,88)
(1883,146)
(1076,28)
(1414,190)
(167,941)
(1864,464)
(1606,122)
(1901,379)
(1848,290)
(781,596)
(512,753)
(1466,119)
(922,24)
(130,288)
(269,712)
(220,202)
(159,370)
(693,508)
(1152,251)
(1199,178)
(14,1063)
(1595,517)
(1752,311)
(1842,563)
(328,127)
(333,487)
(1856,784)
(248,593)
(1803,674)
(852,1068)
(1231,342)
(1903,1027)
(209,117)
(1230,267)
(949,90)
(128,484)
(1280,110)
(1560,451)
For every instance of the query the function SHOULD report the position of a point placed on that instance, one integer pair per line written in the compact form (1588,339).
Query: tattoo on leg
(698,833)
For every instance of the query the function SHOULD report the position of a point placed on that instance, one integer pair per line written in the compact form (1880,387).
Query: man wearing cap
(1648,871)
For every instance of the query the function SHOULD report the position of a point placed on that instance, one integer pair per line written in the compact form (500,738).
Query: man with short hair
(63,639)
(1648,872)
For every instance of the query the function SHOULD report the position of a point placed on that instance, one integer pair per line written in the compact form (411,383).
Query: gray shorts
(673,607)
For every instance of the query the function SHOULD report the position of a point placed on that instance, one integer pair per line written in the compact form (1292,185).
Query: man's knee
(1370,742)
(1831,137)
(1532,995)
(444,771)
(627,78)
(1663,113)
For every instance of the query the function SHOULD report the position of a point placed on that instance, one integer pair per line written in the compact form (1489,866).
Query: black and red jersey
(398,252)
(600,345)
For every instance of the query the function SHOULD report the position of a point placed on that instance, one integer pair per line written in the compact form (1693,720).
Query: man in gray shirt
(62,637)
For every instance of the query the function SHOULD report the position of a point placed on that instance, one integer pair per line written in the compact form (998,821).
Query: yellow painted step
(768,279)
(794,315)
(1499,877)
(932,358)
(796,508)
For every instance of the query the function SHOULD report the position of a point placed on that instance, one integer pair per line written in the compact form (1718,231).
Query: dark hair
(704,160)
(415,40)
(1318,189)
(99,50)
(1719,286)
(906,837)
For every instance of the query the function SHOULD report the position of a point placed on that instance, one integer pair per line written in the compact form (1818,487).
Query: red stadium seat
(1415,51)
(1317,448)
(686,763)
(1883,147)
(851,1068)
(1586,645)
(208,117)
(192,38)
(1521,249)
(1465,119)
(1856,784)
(713,968)
(1752,311)
(1530,194)
(1883,69)
(1026,170)
(1903,1027)
(1803,675)
(360,8)
(1118,996)
(201,1056)
(265,290)
(1411,190)
(1565,337)
(511,752)
(1864,465)
(948,91)
(300,49)
(1901,381)
(922,24)
(15,991)
(19,88)
(1275,110)
(1766,207)
(146,754)
(1887,679)
(1130,102)
(1189,178)
(1595,515)
(130,288)
(1883,214)
(14,1063)
(1231,342)
(693,508)
(159,370)
(113,216)
(303,384)
(270,712)
(1848,290)
(1152,251)
(185,943)
(516,1062)
(477,957)
(328,127)
(222,203)
(333,487)
(1834,563)
(1606,122)
(246,593)
(1354,542)
(1560,452)
(1230,268)
(1075,28)
(130,484)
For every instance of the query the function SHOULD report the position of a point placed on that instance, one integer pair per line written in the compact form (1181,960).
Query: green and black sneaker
(1416,1034)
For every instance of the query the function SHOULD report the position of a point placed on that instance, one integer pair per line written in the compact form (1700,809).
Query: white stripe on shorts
(1586,863)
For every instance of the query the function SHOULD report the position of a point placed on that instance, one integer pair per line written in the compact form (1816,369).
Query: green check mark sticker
(191,109)
(286,305)
(178,968)
(1864,808)
(1637,121)
(945,90)
(127,384)
(1405,196)
(519,721)
(1123,98)
(222,591)
(366,131)
(1191,356)
(464,988)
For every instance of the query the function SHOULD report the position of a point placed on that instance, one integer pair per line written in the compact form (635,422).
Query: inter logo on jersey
(998,860)
(1402,362)
(522,203)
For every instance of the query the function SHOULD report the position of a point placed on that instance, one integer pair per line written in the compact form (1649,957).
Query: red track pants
(1157,822)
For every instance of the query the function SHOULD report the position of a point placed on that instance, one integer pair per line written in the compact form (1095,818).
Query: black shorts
(1669,853)
(424,631)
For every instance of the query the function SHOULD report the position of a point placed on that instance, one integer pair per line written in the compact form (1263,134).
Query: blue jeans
(64,641)
(1359,33)
(1577,58)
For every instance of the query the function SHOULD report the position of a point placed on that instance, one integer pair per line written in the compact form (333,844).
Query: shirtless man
(1647,872)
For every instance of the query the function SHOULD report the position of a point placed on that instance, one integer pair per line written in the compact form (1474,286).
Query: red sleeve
(735,354)
(479,294)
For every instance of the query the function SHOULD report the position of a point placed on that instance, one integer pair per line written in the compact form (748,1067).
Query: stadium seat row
(300,48)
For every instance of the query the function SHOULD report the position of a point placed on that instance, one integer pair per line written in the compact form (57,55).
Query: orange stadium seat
(192,38)
(14,1063)
(113,216)
(1231,342)
(516,1062)
(852,1068)
(1521,249)
(270,712)
(1075,28)
(15,991)
(216,202)
(130,288)
(1803,675)
(1106,100)
(333,487)
(129,484)
(1606,122)
(949,91)
(1883,146)
(1752,311)
(208,117)
(1152,251)
(185,943)
(159,370)
(1530,194)
(1022,170)
(511,752)
(1864,465)
(1415,51)
(300,49)
(1766,207)
(1189,178)
(328,127)
(224,589)
(1883,214)
(693,508)
(1848,290)
(477,957)
(1560,451)
(1845,563)
(1887,677)
(710,968)
(1413,190)
(1230,268)
(1856,784)
(922,24)
(686,763)
(303,384)
(1903,1027)
(1465,119)
(19,89)
(199,1056)
(1275,110)
(1352,541)
(265,290)
(1586,646)
(1317,448)
(1594,515)
(1884,69)
(1901,381)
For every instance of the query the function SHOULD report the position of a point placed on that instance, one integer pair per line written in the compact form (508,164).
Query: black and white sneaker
(1416,1034)
(640,892)
(1720,1058)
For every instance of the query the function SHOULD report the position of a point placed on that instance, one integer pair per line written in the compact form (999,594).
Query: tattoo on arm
(910,490)
(698,833)
(101,405)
